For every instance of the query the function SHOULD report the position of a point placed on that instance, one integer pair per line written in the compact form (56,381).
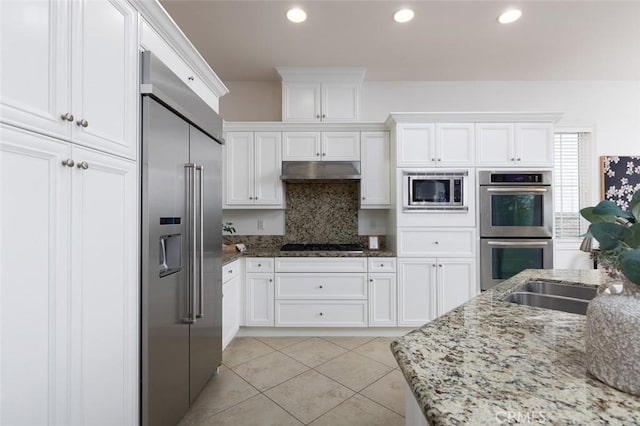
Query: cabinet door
(495,144)
(340,102)
(374,185)
(104,290)
(268,168)
(341,146)
(455,144)
(301,102)
(34,231)
(260,300)
(301,146)
(230,310)
(416,291)
(382,300)
(104,69)
(34,92)
(238,169)
(416,145)
(534,144)
(456,283)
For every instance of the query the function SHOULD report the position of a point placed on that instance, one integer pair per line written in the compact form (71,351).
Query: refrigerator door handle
(191,231)
(200,171)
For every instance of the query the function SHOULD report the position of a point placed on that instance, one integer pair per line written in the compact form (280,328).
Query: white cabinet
(515,145)
(321,146)
(382,292)
(435,145)
(74,359)
(259,291)
(321,292)
(375,169)
(432,241)
(81,80)
(430,287)
(230,301)
(315,102)
(252,169)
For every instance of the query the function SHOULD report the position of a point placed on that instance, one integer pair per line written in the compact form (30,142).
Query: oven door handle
(514,243)
(517,189)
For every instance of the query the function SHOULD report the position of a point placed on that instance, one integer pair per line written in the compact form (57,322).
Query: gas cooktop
(345,248)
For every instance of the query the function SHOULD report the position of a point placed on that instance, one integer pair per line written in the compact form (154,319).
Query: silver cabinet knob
(435,242)
(68,116)
(434,265)
(317,154)
(190,78)
(382,265)
(321,314)
(433,159)
(270,280)
(371,280)
(439,159)
(324,153)
(364,198)
(259,265)
(83,165)
(440,265)
(321,287)
(513,159)
(518,159)
(83,123)
(231,271)
(324,116)
(317,115)
(251,198)
(255,198)
(68,162)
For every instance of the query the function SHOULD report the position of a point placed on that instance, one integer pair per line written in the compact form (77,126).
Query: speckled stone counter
(488,360)
(265,252)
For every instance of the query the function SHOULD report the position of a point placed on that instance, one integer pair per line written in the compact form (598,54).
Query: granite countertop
(488,359)
(275,252)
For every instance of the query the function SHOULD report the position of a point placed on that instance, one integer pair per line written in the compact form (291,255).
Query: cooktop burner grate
(351,248)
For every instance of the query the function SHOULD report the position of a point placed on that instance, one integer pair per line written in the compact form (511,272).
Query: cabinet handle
(68,162)
(435,242)
(259,265)
(231,271)
(317,115)
(68,116)
(513,159)
(434,265)
(439,159)
(251,198)
(518,159)
(440,265)
(82,123)
(318,154)
(255,198)
(370,280)
(321,314)
(190,78)
(324,116)
(364,198)
(83,165)
(270,280)
(324,153)
(321,287)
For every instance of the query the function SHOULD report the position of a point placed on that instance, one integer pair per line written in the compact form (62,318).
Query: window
(571,182)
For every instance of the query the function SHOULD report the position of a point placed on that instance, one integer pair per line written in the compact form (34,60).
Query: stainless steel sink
(548,295)
(555,289)
(557,303)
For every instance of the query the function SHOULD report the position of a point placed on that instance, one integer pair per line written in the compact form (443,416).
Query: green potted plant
(228,229)
(612,329)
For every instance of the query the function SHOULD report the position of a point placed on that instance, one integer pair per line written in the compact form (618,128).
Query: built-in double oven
(516,223)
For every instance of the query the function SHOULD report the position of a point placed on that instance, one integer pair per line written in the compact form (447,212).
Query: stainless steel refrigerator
(181,244)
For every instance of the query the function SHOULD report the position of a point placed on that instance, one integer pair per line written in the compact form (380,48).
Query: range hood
(320,171)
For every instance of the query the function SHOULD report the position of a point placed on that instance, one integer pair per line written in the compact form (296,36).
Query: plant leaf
(633,240)
(609,208)
(630,265)
(588,214)
(635,210)
(609,235)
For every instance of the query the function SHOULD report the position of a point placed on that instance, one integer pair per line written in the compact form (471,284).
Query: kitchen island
(494,362)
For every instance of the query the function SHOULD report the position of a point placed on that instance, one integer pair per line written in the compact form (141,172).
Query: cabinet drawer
(259,264)
(321,286)
(382,264)
(311,313)
(436,242)
(321,264)
(230,271)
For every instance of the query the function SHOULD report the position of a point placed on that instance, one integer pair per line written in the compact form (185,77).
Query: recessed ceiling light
(509,16)
(296,15)
(403,15)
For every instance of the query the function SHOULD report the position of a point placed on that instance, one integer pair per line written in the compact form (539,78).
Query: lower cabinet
(382,300)
(430,287)
(69,285)
(259,303)
(230,301)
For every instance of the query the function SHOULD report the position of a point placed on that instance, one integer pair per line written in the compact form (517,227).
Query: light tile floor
(303,380)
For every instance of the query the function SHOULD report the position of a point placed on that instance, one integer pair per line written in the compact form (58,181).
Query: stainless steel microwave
(432,190)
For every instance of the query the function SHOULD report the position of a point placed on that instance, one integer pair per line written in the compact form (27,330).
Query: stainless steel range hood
(320,171)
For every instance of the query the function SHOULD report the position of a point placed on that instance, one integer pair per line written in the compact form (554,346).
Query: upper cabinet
(375,182)
(321,95)
(321,146)
(515,144)
(435,145)
(253,165)
(81,82)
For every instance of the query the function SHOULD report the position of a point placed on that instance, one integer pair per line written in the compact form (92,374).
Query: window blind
(571,183)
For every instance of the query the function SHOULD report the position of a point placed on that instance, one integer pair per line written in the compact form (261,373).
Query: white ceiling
(447,40)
